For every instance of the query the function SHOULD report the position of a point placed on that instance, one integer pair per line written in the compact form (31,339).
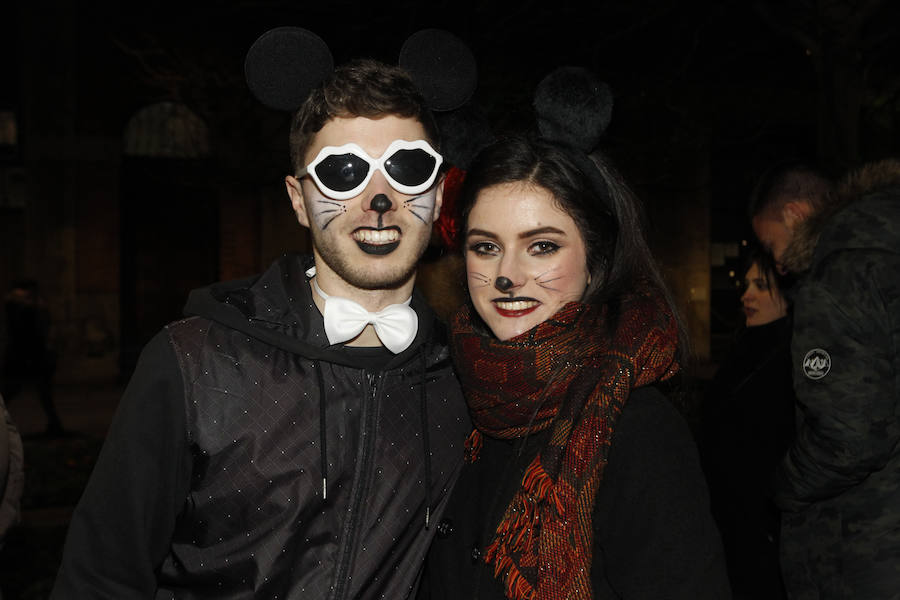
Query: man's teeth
(372,236)
(517,304)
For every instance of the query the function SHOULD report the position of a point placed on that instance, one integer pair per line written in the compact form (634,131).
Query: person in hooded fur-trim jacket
(839,484)
(253,456)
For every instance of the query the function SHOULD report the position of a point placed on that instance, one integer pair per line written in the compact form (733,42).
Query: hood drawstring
(425,442)
(323,449)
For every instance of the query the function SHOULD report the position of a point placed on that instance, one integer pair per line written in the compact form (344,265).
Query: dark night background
(135,165)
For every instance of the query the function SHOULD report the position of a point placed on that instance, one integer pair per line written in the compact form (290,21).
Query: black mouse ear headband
(284,65)
(573,109)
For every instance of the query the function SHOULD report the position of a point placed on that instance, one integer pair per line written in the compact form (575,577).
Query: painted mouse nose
(381,204)
(504,284)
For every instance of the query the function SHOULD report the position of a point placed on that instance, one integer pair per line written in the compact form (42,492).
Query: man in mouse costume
(297,435)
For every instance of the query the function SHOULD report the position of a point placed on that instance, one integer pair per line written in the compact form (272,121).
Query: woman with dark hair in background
(583,479)
(748,425)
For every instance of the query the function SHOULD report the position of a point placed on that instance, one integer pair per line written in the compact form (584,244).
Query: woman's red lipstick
(518,312)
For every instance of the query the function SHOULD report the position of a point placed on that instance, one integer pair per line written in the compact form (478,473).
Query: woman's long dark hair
(590,190)
(775,281)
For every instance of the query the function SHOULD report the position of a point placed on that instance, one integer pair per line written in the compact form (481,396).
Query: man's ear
(795,212)
(295,192)
(438,199)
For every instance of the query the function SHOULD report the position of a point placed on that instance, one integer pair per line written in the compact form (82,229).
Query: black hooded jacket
(250,459)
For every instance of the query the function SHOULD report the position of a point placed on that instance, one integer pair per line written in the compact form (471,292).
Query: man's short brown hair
(360,88)
(787,182)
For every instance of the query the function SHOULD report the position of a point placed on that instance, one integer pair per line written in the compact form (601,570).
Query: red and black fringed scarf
(573,375)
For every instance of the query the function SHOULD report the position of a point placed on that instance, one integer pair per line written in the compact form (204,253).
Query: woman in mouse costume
(583,480)
(296,436)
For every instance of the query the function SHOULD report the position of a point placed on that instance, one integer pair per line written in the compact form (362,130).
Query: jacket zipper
(370,413)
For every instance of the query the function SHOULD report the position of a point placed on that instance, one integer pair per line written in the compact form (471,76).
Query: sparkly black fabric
(227,501)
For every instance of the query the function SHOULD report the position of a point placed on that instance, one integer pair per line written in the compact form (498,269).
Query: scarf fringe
(517,587)
(473,446)
(517,533)
(538,484)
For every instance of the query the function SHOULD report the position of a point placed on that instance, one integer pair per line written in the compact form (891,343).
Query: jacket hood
(277,308)
(865,214)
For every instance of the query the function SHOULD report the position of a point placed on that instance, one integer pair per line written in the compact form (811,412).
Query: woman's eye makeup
(543,247)
(484,248)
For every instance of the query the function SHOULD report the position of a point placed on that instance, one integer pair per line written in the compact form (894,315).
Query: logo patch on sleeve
(816,363)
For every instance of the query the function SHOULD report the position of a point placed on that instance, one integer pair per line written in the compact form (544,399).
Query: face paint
(368,243)
(422,207)
(325,211)
(517,232)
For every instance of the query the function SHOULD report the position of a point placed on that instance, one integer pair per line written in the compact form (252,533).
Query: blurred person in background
(839,484)
(748,423)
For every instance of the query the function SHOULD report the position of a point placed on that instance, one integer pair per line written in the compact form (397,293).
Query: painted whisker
(479,277)
(329,221)
(424,209)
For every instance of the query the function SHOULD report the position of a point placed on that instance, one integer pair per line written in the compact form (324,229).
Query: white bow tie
(395,325)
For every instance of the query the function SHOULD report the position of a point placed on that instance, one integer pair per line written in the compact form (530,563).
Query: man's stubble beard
(358,275)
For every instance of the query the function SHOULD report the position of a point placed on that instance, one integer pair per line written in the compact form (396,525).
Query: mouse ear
(573,107)
(284,64)
(464,132)
(442,67)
